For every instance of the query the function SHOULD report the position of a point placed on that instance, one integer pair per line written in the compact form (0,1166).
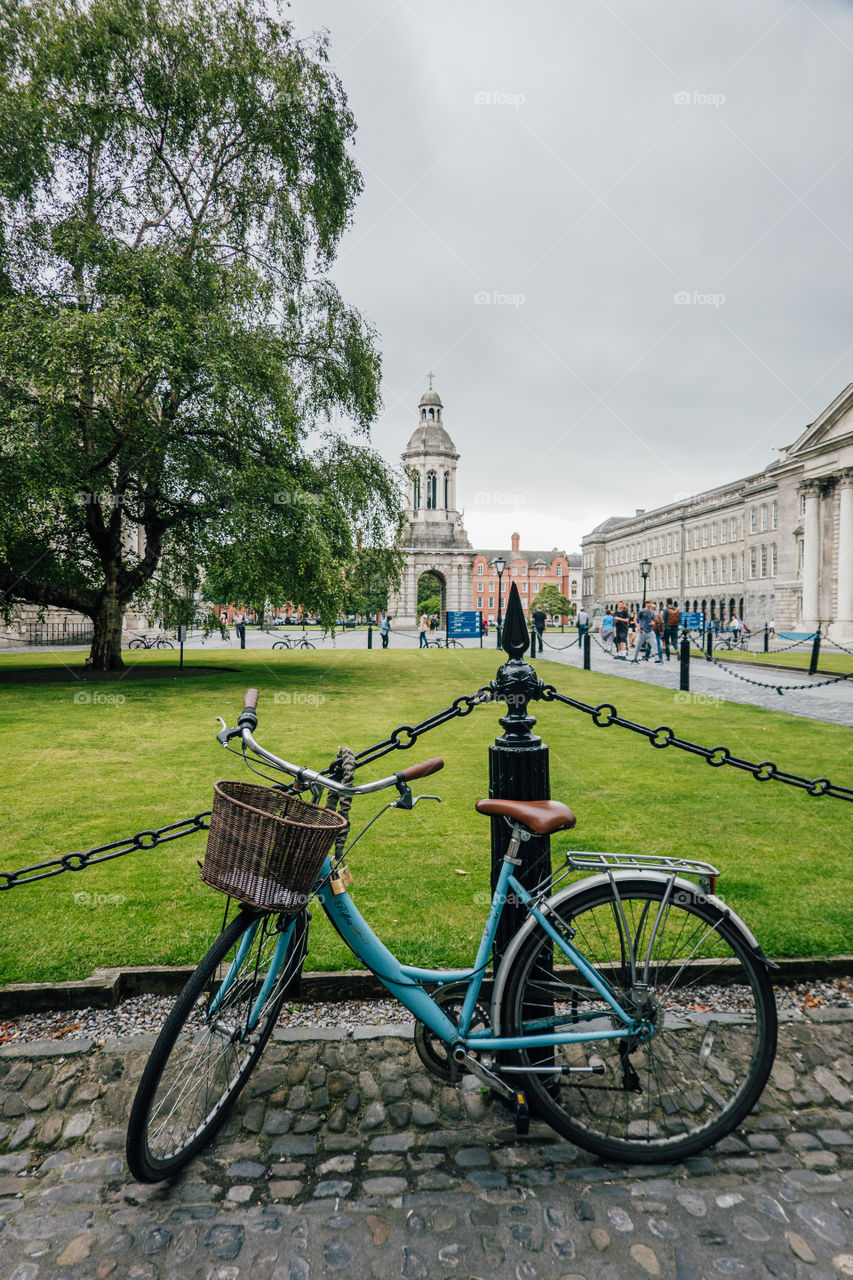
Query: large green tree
(183,391)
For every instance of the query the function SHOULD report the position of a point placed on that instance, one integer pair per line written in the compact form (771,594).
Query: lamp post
(645,570)
(499,564)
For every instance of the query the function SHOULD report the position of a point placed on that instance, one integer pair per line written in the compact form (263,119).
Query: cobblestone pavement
(344,1157)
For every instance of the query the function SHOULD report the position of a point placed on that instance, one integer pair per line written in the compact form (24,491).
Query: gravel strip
(145,1015)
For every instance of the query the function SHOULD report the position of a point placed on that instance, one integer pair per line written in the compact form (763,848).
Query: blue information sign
(463,624)
(692,621)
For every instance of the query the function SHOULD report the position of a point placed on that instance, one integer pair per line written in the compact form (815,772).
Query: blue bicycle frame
(404,981)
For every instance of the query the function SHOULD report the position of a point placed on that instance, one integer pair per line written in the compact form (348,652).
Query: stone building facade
(775,547)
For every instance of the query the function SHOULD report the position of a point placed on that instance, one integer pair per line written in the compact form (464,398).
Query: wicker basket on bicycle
(265,846)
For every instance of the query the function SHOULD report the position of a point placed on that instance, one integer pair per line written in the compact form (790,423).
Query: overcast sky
(619,235)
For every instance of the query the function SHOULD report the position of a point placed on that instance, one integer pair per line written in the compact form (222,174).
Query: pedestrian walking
(621,618)
(583,624)
(643,644)
(539,618)
(607,630)
(671,619)
(385,629)
(240,627)
(657,632)
(423,643)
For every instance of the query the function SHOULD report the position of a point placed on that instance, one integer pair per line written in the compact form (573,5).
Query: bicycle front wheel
(165,644)
(209,1045)
(706,994)
(306,644)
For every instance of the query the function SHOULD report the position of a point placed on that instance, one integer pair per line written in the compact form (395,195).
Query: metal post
(709,640)
(815,652)
(766,638)
(370,635)
(684,659)
(518,766)
(586,652)
(499,627)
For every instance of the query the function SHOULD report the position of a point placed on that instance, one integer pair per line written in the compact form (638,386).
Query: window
(722,568)
(733,528)
(686,539)
(714,534)
(559,571)
(655,547)
(704,572)
(704,535)
(773,559)
(763,562)
(416,493)
(669,543)
(446,490)
(524,588)
(479,602)
(753,521)
(724,528)
(480,569)
(431,495)
(542,571)
(802,504)
(491,602)
(733,568)
(753,563)
(763,519)
(714,569)
(574,587)
(534,589)
(774,516)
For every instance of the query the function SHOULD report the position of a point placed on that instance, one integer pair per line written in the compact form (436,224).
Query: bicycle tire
(197,1068)
(306,644)
(164,644)
(702,1070)
(281,644)
(137,644)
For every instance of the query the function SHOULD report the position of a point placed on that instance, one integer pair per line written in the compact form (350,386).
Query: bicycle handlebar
(247,722)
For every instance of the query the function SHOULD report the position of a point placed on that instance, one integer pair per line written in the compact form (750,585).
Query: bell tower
(434,536)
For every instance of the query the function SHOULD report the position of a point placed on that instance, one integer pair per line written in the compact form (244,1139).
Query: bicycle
(632,1011)
(150,642)
(294,642)
(733,639)
(447,643)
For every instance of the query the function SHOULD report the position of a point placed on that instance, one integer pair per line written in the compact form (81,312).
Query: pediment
(833,427)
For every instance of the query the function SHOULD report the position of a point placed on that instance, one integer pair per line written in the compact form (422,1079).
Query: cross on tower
(430,376)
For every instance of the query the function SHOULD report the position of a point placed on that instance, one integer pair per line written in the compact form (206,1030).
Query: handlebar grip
(250,702)
(422,770)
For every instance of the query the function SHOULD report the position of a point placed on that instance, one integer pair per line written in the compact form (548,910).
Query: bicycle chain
(605,714)
(116,849)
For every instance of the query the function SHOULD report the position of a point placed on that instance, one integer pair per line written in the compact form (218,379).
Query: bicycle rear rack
(593,861)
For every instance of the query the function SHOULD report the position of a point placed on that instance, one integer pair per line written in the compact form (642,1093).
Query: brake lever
(408,801)
(225,734)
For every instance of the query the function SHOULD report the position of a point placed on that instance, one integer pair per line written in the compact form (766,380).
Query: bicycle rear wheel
(710,1002)
(281,644)
(208,1047)
(137,644)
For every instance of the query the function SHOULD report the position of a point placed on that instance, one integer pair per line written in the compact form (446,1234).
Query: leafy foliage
(552,601)
(174,363)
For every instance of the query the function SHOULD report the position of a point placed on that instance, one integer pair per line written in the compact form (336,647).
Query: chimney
(515,541)
(640,511)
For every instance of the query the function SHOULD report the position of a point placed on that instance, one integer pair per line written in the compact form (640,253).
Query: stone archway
(425,581)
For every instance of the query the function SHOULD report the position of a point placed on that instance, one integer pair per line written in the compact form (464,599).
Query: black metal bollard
(766,638)
(815,658)
(518,767)
(586,648)
(369,636)
(709,642)
(684,659)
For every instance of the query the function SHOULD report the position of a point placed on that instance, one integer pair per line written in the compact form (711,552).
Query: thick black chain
(105,852)
(605,714)
(406,735)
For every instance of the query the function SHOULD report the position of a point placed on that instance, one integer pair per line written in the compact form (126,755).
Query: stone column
(811,554)
(844,568)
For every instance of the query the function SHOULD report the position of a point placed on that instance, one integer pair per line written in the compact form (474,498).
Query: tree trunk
(106,642)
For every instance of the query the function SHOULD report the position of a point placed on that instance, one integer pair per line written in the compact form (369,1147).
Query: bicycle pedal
(522,1114)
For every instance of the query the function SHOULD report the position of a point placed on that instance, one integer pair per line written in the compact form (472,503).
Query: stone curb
(107,987)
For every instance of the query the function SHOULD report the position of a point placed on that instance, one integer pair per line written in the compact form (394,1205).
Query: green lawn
(82,770)
(830,662)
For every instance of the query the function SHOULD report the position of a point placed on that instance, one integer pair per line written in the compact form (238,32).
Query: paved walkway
(346,1158)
